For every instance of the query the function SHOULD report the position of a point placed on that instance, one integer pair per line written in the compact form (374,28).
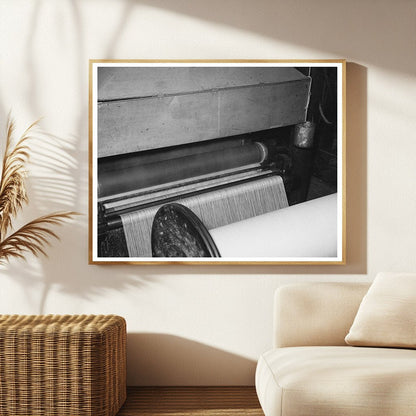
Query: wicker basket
(71,365)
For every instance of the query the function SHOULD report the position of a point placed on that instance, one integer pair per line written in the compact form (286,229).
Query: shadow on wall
(57,173)
(58,180)
(335,27)
(161,359)
(64,182)
(53,187)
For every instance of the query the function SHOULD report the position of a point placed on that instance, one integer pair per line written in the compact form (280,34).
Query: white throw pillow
(387,314)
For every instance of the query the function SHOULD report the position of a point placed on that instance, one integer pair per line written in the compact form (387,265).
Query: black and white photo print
(217,162)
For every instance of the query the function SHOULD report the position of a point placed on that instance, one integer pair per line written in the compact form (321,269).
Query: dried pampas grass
(34,236)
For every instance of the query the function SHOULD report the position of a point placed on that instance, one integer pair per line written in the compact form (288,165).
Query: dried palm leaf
(12,183)
(33,237)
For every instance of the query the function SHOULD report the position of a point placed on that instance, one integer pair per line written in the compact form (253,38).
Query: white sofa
(311,371)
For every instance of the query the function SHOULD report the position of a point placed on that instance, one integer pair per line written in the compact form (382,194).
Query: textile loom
(200,141)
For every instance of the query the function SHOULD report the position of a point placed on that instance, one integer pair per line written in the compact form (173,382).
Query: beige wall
(204,325)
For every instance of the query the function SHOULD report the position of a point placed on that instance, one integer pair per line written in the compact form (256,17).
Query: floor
(195,401)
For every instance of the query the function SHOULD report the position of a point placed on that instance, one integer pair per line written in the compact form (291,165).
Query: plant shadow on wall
(52,186)
(334,27)
(59,173)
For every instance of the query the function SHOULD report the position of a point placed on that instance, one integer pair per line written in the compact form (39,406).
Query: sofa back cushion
(387,314)
(315,313)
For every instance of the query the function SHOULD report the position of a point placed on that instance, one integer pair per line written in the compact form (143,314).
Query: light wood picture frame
(217,162)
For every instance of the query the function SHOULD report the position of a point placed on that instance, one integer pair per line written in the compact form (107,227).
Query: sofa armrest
(315,313)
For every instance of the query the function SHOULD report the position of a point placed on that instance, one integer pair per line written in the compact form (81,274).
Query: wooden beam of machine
(155,122)
(117,83)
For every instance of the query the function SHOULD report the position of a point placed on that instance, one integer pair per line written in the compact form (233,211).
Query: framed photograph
(217,162)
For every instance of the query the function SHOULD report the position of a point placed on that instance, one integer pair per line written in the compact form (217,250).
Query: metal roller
(303,231)
(135,174)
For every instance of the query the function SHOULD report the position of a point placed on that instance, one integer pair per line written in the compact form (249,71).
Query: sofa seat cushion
(342,381)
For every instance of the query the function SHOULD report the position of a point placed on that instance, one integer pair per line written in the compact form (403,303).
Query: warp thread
(215,209)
